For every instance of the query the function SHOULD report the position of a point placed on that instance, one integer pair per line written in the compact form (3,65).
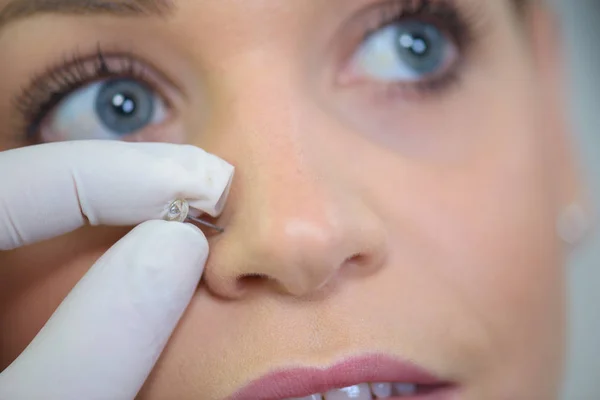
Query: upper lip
(300,382)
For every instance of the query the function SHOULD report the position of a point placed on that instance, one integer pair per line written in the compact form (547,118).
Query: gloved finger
(106,336)
(56,188)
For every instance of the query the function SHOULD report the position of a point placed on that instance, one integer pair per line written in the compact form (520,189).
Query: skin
(358,222)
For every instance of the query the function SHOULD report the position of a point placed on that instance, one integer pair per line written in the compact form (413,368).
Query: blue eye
(110,110)
(405,51)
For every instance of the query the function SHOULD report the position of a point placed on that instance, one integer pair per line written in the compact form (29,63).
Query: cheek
(35,280)
(479,226)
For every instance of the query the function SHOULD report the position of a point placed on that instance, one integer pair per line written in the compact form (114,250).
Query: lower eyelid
(166,132)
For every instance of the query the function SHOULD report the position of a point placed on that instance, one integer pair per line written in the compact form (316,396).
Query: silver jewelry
(179,211)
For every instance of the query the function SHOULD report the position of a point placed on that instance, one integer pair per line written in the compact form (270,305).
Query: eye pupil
(418,45)
(125,106)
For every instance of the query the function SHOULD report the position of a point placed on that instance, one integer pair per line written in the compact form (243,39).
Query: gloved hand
(106,336)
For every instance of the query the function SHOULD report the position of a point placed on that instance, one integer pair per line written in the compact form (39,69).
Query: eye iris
(421,46)
(125,106)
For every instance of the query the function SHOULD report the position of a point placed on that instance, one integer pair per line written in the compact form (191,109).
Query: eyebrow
(20,9)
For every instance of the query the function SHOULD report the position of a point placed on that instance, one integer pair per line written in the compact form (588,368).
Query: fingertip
(196,236)
(171,237)
(174,228)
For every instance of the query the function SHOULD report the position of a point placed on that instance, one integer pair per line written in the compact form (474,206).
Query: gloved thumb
(106,336)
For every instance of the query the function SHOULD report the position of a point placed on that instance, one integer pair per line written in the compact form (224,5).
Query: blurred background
(582,30)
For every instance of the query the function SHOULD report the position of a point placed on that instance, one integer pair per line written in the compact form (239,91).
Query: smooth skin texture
(361,219)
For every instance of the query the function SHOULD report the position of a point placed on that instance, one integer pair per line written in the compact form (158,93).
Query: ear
(549,56)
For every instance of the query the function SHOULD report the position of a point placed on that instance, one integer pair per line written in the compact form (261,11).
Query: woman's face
(400,167)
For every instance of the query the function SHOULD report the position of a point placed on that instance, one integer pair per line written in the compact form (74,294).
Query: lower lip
(293,383)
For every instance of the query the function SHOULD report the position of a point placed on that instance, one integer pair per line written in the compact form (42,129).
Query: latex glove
(106,336)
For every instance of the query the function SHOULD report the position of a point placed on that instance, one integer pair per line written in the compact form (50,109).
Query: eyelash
(462,26)
(50,88)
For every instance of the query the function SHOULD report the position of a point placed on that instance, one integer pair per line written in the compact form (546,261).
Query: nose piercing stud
(179,212)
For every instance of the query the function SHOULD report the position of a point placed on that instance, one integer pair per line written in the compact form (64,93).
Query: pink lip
(301,382)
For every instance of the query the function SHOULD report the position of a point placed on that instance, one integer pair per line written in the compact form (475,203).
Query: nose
(294,236)
(292,224)
(295,220)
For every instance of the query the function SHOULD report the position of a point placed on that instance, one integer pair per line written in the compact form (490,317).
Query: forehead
(11,10)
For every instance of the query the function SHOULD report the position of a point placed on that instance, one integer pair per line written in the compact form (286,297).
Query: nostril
(249,280)
(357,260)
(362,264)
(252,277)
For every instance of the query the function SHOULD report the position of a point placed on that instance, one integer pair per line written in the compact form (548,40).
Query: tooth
(356,392)
(311,397)
(405,388)
(381,390)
